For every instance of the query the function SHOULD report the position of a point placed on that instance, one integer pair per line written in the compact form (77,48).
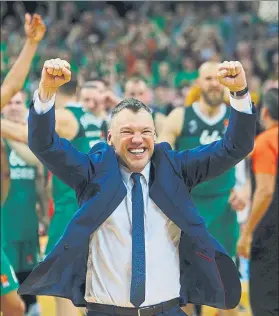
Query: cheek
(150,143)
(119,146)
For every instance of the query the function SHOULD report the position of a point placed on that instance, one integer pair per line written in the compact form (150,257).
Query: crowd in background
(162,42)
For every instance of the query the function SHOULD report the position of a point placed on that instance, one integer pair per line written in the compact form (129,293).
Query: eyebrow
(124,128)
(130,128)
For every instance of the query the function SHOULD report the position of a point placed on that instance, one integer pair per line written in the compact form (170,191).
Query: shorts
(23,255)
(58,224)
(220,219)
(9,281)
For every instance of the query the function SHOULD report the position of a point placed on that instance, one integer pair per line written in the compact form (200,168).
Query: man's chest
(199,130)
(91,132)
(157,226)
(20,170)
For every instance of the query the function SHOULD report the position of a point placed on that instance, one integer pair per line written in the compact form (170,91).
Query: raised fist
(34,27)
(231,75)
(55,73)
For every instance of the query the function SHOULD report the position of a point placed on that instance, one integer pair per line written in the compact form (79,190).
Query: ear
(109,138)
(264,112)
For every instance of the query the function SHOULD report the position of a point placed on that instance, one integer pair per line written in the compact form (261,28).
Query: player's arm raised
(34,30)
(172,128)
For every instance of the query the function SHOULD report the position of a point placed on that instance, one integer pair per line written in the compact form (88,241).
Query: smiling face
(132,134)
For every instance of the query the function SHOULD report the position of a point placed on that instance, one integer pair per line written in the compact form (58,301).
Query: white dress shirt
(110,253)
(108,278)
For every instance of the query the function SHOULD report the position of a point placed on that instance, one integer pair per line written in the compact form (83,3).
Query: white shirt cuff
(42,107)
(242,105)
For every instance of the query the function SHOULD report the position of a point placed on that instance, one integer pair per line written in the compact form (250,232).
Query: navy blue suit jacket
(208,275)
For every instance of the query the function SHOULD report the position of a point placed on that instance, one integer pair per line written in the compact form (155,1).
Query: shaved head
(212,91)
(208,66)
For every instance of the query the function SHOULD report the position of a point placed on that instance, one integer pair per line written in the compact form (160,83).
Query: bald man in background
(202,123)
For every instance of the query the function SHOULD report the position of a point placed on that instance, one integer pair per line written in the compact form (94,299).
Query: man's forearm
(24,152)
(18,73)
(14,131)
(260,205)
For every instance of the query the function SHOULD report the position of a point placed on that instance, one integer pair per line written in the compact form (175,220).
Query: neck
(270,124)
(98,114)
(207,110)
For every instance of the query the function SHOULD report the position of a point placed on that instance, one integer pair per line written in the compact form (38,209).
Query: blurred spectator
(188,73)
(163,97)
(159,42)
(162,72)
(272,81)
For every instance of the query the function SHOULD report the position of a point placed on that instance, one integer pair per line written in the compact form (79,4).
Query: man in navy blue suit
(136,245)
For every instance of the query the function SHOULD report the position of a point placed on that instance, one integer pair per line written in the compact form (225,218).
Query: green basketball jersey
(19,219)
(91,130)
(200,130)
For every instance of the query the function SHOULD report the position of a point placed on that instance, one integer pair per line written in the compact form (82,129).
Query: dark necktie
(137,295)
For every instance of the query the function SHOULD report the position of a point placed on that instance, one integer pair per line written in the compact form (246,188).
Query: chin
(137,167)
(215,102)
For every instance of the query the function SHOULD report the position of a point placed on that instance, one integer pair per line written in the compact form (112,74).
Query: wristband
(240,93)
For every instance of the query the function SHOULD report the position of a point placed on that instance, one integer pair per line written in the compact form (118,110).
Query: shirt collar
(126,173)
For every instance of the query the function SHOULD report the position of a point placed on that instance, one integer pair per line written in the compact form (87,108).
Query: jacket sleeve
(57,154)
(208,161)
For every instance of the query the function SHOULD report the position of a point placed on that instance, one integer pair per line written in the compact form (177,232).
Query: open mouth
(137,151)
